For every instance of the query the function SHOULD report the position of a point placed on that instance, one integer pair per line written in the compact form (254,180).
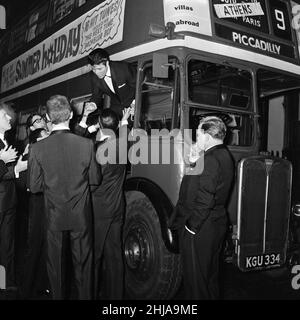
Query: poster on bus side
(100,27)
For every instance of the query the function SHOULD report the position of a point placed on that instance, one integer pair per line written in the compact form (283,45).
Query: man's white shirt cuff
(92,129)
(190,231)
(123,123)
(83,124)
(17,174)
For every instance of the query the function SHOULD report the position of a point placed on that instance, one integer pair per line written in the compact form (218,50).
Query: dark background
(15,9)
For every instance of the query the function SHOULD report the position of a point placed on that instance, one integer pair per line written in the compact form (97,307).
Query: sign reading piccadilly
(257,43)
(100,27)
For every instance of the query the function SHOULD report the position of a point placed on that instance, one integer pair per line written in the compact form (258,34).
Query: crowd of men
(77,200)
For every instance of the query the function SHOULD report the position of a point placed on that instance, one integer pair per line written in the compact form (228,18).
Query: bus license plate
(263,260)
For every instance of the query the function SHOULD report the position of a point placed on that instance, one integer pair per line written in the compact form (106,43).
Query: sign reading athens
(233,10)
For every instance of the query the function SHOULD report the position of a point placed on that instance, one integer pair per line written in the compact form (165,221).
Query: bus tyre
(151,271)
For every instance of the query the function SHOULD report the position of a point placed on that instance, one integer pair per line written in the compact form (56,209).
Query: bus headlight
(296,210)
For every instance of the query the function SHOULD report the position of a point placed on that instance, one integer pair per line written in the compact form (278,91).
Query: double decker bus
(235,59)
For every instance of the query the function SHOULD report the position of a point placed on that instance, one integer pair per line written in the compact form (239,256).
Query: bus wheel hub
(137,251)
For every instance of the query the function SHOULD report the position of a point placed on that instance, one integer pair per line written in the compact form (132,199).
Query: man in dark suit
(3,168)
(63,167)
(35,277)
(8,200)
(109,205)
(117,79)
(200,214)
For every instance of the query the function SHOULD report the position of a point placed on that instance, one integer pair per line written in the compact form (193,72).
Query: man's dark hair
(98,56)
(108,119)
(29,119)
(58,109)
(214,126)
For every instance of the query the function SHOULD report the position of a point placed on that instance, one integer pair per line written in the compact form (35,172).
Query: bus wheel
(151,271)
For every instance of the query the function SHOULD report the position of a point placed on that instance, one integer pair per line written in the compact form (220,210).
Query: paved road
(258,285)
(255,285)
(237,285)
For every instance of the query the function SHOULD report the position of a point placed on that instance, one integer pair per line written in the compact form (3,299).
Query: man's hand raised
(21,165)
(126,114)
(8,155)
(89,108)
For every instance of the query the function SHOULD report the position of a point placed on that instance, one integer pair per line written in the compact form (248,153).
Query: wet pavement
(275,284)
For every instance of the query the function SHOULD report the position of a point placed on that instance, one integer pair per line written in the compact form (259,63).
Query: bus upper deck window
(219,85)
(157,100)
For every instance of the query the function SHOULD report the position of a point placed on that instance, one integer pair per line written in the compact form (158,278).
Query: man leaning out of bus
(117,79)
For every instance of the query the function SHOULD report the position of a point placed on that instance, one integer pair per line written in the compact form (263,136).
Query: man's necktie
(108,81)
